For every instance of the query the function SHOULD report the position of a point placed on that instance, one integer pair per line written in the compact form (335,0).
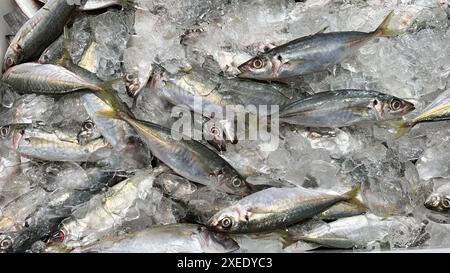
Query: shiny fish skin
(39,32)
(45,79)
(217,92)
(190,158)
(359,231)
(53,53)
(274,208)
(309,54)
(177,238)
(343,108)
(43,222)
(105,213)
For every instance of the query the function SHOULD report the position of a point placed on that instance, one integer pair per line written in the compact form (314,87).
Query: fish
(175,238)
(79,187)
(438,110)
(310,54)
(109,211)
(275,208)
(185,156)
(342,108)
(218,92)
(359,231)
(439,200)
(38,33)
(28,7)
(46,79)
(48,147)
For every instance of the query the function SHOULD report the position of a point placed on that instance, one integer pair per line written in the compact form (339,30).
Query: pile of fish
(225,126)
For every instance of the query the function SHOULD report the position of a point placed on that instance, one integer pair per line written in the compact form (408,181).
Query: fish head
(12,56)
(259,67)
(11,134)
(390,107)
(226,220)
(232,182)
(437,202)
(217,242)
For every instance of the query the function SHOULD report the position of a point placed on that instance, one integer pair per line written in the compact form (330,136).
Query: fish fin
(108,113)
(383,29)
(352,195)
(402,126)
(108,85)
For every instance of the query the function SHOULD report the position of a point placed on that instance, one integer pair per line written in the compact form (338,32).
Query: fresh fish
(360,231)
(106,213)
(79,186)
(177,238)
(39,32)
(438,110)
(275,208)
(28,7)
(343,108)
(218,92)
(185,156)
(45,79)
(439,200)
(55,145)
(310,54)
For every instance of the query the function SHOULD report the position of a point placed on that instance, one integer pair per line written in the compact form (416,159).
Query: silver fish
(45,79)
(310,54)
(275,208)
(106,213)
(343,108)
(39,32)
(359,231)
(179,238)
(51,146)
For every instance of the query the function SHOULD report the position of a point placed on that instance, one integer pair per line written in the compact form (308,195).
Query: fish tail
(384,31)
(402,126)
(108,113)
(108,85)
(352,196)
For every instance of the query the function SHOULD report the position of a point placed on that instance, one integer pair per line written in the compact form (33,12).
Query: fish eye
(4,131)
(237,182)
(6,243)
(88,125)
(226,222)
(58,237)
(215,131)
(9,61)
(258,63)
(396,104)
(446,203)
(375,102)
(130,77)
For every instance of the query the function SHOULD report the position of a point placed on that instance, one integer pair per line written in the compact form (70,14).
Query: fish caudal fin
(384,31)
(352,196)
(108,113)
